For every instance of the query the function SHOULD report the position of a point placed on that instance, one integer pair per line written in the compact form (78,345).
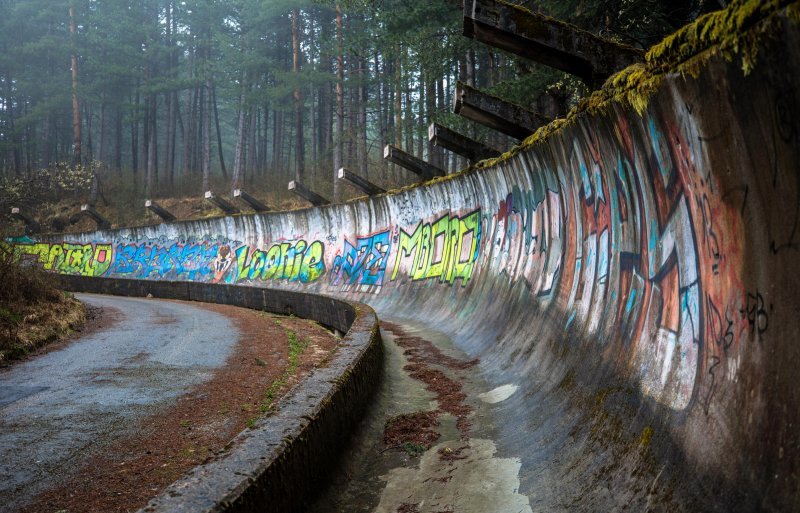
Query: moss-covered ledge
(274,465)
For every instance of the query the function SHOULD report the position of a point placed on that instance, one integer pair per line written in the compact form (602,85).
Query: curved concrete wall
(634,274)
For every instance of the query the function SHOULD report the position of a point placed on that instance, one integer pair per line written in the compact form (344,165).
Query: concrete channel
(630,277)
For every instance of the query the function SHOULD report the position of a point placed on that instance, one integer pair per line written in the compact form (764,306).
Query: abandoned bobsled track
(632,273)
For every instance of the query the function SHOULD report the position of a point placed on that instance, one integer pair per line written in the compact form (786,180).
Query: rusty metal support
(497,114)
(307,194)
(160,211)
(418,166)
(31,225)
(461,144)
(362,183)
(102,222)
(221,203)
(254,203)
(546,40)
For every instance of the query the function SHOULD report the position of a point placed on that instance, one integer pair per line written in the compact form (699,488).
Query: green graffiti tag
(446,249)
(66,258)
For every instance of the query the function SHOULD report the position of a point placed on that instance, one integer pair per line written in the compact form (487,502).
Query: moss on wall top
(731,32)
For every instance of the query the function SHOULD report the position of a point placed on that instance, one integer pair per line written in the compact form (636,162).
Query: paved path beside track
(58,409)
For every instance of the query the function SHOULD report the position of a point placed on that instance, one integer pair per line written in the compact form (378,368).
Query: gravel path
(58,409)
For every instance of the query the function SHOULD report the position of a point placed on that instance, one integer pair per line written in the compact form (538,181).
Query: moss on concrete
(729,33)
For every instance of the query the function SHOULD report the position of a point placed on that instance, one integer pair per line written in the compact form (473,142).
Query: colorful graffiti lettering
(298,261)
(446,249)
(65,258)
(191,261)
(363,263)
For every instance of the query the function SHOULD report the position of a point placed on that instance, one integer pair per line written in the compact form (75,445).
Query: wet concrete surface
(59,408)
(478,478)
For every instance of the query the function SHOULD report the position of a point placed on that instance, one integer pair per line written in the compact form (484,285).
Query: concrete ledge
(274,465)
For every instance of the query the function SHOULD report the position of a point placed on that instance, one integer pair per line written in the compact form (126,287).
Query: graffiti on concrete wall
(445,249)
(298,261)
(362,264)
(66,258)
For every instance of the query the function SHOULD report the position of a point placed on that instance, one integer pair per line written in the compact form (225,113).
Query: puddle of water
(471,480)
(499,394)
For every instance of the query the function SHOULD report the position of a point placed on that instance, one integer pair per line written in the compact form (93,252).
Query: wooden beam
(307,194)
(412,163)
(102,222)
(221,203)
(546,40)
(254,203)
(160,211)
(362,183)
(461,144)
(31,226)
(497,114)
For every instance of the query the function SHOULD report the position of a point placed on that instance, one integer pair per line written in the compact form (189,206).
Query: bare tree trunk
(363,94)
(337,149)
(76,107)
(219,134)
(238,159)
(206,131)
(299,169)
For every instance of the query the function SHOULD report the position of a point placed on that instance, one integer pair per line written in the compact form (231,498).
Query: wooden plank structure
(497,114)
(31,225)
(250,200)
(417,166)
(221,203)
(307,194)
(461,144)
(362,183)
(90,211)
(160,211)
(546,40)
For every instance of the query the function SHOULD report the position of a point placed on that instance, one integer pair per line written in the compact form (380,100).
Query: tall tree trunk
(238,158)
(299,168)
(337,149)
(76,108)
(206,122)
(219,134)
(363,98)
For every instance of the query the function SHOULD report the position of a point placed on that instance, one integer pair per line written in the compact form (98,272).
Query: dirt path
(144,443)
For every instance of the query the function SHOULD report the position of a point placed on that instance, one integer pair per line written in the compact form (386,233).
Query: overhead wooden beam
(160,211)
(497,114)
(306,193)
(418,166)
(546,40)
(461,144)
(102,222)
(221,203)
(362,183)
(31,225)
(254,203)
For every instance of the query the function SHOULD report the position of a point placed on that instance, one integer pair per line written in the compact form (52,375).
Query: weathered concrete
(160,211)
(362,183)
(97,217)
(496,113)
(461,144)
(31,225)
(546,40)
(307,194)
(416,165)
(633,274)
(250,200)
(221,203)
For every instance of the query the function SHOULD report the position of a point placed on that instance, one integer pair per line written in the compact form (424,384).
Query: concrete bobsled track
(634,274)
